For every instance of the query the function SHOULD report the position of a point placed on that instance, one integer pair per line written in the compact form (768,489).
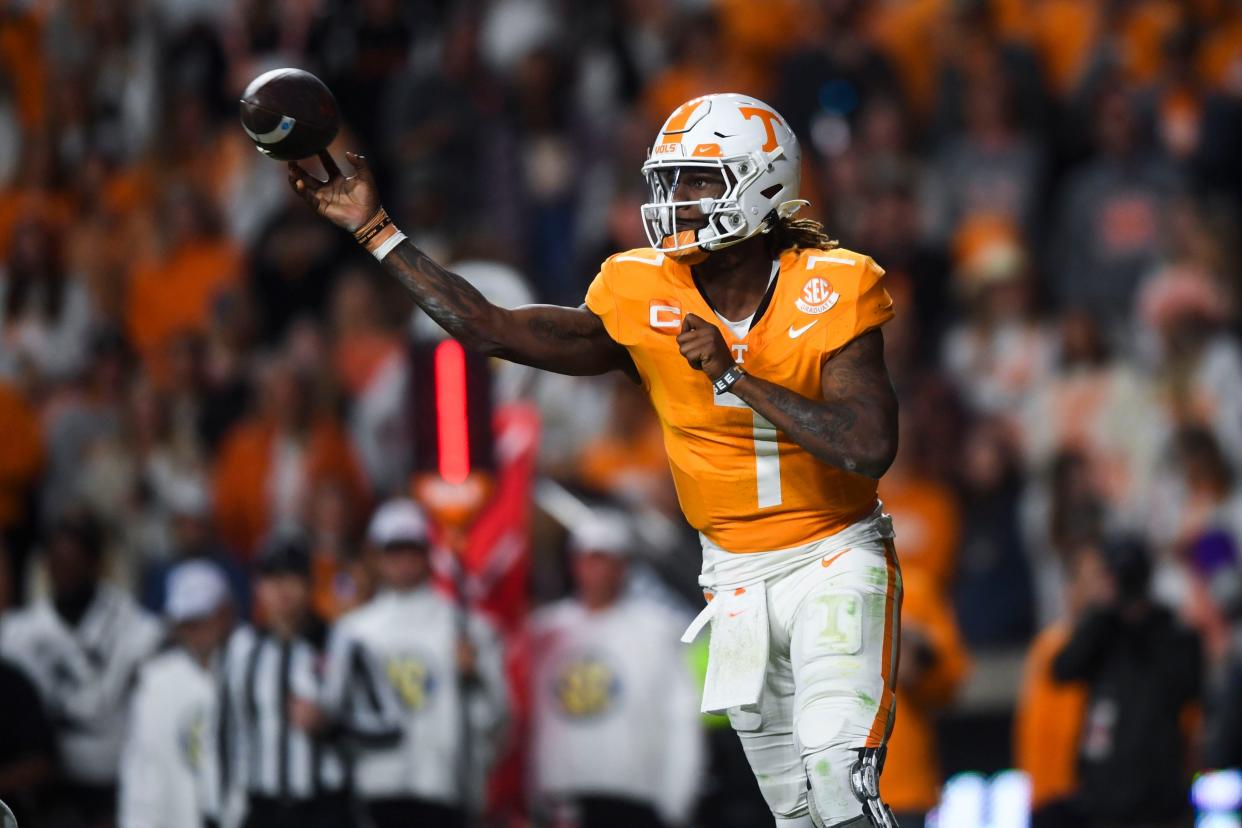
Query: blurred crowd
(192,363)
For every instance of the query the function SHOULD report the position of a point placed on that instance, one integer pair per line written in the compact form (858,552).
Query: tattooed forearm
(833,432)
(565,340)
(455,304)
(854,426)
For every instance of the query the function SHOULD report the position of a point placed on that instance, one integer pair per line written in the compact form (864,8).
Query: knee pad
(836,790)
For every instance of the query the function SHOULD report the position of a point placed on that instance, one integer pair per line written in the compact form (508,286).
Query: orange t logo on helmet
(767,116)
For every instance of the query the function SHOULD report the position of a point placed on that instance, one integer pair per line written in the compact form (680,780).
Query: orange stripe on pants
(882,726)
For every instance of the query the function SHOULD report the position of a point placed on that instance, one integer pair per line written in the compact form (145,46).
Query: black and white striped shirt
(263,752)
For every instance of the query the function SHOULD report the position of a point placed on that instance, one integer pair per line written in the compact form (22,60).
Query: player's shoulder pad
(619,295)
(632,270)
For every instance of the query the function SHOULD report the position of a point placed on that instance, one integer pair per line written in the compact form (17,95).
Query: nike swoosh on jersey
(827,562)
(794,333)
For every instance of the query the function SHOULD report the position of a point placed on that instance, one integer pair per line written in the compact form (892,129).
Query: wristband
(727,380)
(379,235)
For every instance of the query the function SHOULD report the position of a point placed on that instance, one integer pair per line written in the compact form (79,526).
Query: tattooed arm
(560,339)
(565,340)
(854,425)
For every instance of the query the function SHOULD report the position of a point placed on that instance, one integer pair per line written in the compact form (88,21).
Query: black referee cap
(284,554)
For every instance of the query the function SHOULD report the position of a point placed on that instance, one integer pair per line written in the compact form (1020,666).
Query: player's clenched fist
(704,347)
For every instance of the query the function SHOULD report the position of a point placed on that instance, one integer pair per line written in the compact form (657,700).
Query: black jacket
(1140,675)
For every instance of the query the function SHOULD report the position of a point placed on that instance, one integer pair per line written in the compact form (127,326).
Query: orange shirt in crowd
(901,32)
(19,205)
(927,520)
(338,586)
(912,778)
(1048,721)
(174,295)
(1220,56)
(358,357)
(21,457)
(242,479)
(21,60)
(760,34)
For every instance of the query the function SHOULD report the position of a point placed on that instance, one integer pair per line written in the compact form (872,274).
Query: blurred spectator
(80,418)
(443,666)
(1112,216)
(993,591)
(700,64)
(431,132)
(1141,669)
(1183,312)
(933,665)
(1099,406)
(20,465)
(369,357)
(361,46)
(82,648)
(1196,496)
(45,313)
(190,538)
(292,262)
(1000,350)
(168,765)
(1065,510)
(28,750)
(605,660)
(1049,716)
(992,169)
(823,87)
(278,755)
(270,464)
(627,459)
(342,573)
(928,516)
(1216,612)
(173,293)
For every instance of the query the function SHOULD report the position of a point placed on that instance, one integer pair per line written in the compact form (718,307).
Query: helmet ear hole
(770,192)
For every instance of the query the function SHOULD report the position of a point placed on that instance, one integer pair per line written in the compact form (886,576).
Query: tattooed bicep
(555,324)
(857,370)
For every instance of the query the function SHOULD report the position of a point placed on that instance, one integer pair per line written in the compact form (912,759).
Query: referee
(282,757)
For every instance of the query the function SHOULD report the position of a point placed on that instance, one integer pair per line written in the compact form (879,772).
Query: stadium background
(1052,186)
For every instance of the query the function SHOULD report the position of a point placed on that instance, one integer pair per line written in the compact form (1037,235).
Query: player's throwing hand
(345,201)
(704,347)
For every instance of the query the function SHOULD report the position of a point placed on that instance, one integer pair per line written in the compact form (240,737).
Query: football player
(759,343)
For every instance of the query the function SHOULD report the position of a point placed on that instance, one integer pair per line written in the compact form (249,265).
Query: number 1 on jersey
(767,453)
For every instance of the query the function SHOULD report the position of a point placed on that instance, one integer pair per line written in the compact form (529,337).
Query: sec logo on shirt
(411,679)
(586,687)
(817,296)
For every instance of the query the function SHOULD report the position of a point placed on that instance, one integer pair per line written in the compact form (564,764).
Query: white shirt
(84,674)
(168,761)
(616,709)
(413,635)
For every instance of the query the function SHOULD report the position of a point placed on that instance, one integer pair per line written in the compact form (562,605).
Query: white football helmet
(750,145)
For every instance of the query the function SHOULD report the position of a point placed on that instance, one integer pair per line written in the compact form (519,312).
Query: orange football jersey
(742,483)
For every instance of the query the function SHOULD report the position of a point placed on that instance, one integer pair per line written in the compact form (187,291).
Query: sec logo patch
(585,687)
(817,296)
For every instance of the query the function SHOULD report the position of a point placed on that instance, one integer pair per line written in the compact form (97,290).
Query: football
(289,114)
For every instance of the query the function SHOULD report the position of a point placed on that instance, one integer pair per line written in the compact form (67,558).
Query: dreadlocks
(799,234)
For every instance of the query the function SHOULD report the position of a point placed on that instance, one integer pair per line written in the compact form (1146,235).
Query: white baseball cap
(398,521)
(607,532)
(196,589)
